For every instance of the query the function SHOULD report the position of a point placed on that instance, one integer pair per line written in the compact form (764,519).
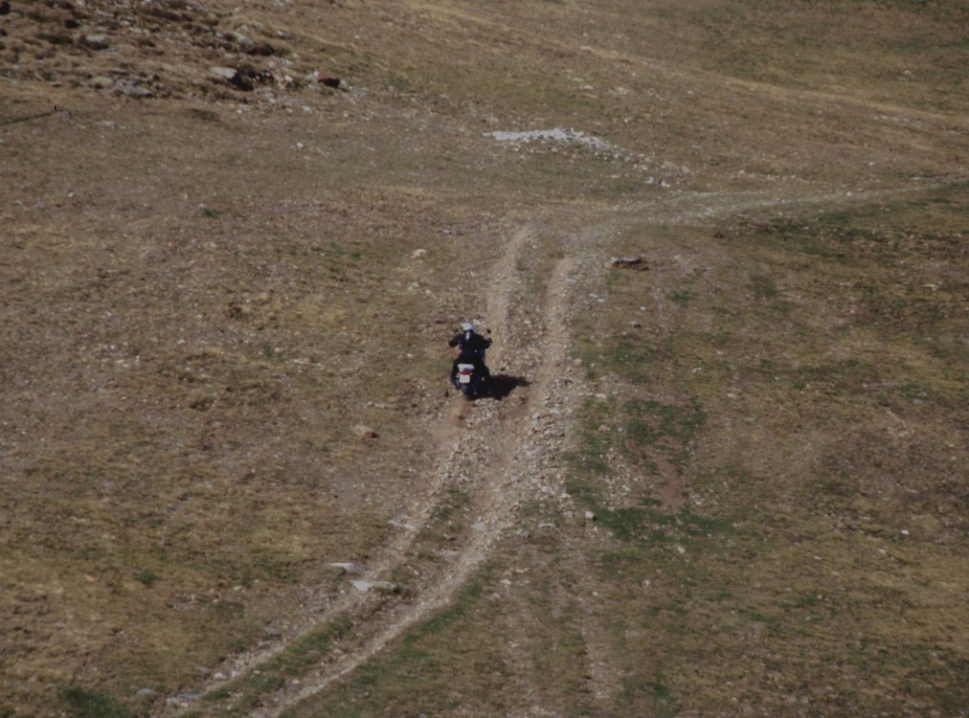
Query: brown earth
(233,234)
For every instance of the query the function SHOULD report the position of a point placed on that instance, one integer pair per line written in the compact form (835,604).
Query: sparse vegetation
(725,481)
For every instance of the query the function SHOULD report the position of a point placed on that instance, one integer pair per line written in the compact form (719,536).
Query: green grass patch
(84,703)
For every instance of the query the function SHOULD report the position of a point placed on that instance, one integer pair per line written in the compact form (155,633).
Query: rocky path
(494,457)
(498,453)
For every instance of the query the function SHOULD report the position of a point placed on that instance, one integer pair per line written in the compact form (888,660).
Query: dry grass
(205,290)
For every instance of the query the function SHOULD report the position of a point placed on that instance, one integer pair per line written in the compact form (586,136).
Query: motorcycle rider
(473,347)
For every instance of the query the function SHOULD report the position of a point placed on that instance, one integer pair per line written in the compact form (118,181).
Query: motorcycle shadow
(502,385)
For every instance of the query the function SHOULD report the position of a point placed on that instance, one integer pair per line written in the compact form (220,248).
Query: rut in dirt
(481,447)
(498,442)
(491,454)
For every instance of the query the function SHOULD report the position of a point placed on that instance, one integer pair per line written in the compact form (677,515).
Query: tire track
(496,497)
(496,445)
(498,486)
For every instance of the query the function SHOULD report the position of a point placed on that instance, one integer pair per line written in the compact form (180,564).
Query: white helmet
(467,327)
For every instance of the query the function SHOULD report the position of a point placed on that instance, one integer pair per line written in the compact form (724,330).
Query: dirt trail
(500,454)
(485,448)
(497,445)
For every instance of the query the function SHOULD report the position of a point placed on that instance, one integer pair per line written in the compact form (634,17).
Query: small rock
(274,632)
(132,88)
(232,76)
(95,42)
(146,692)
(589,516)
(226,73)
(351,568)
(363,432)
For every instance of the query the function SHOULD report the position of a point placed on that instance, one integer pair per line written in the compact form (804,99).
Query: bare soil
(235,240)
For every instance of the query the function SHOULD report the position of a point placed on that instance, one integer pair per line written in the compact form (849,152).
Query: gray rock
(351,568)
(363,432)
(95,42)
(232,76)
(226,73)
(132,88)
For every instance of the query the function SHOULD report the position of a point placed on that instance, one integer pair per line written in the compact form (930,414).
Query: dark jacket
(472,345)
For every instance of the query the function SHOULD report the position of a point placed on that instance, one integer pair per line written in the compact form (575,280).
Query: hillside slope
(722,478)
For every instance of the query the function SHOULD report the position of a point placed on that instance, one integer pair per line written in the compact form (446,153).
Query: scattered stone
(365,586)
(352,568)
(132,88)
(274,632)
(146,692)
(363,432)
(95,42)
(637,263)
(226,73)
(233,77)
(401,525)
(589,516)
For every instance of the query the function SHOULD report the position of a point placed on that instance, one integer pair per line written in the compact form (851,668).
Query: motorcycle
(470,373)
(472,383)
